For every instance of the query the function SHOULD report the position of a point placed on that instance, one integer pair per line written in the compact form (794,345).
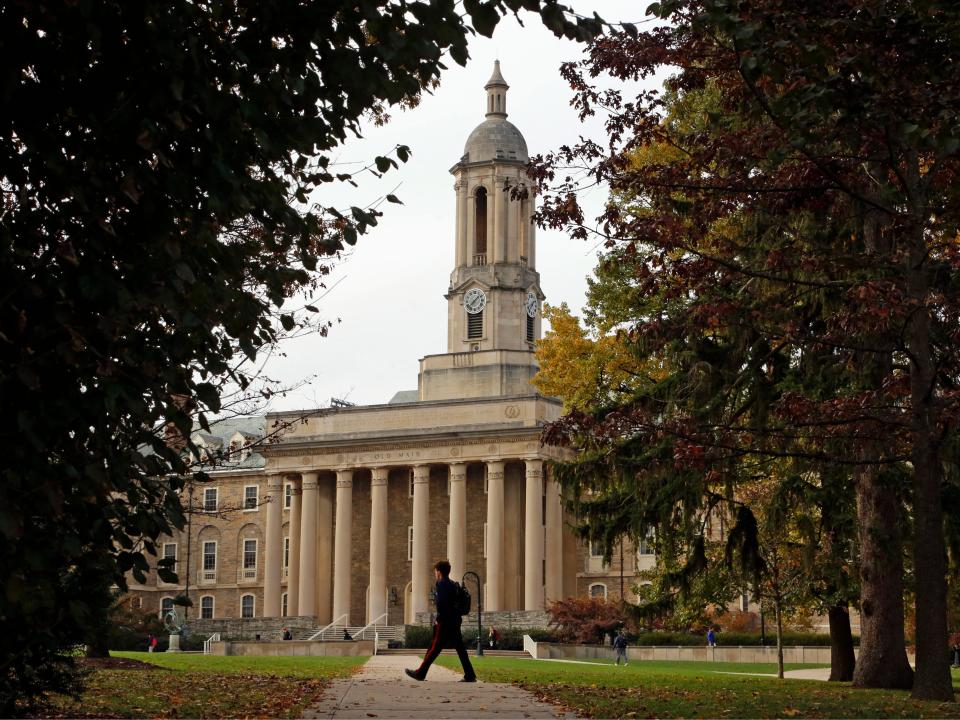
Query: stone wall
(523,619)
(732,654)
(249,628)
(293,647)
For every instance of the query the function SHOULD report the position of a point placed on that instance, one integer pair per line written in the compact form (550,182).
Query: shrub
(585,619)
(417,636)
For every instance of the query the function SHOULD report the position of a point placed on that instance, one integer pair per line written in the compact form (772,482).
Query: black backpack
(462,599)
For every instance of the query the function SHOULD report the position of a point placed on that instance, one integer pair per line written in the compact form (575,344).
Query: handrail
(373,622)
(212,639)
(323,630)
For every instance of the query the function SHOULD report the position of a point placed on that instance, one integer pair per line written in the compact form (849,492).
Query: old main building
(341,519)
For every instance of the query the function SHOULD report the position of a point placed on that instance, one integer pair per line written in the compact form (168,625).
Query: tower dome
(496,138)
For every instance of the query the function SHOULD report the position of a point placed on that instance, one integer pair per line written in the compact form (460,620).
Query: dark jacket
(447,601)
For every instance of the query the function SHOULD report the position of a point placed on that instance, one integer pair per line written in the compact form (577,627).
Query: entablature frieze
(299,459)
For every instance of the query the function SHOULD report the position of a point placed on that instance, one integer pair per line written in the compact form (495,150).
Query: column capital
(534,466)
(345,477)
(421,474)
(458,471)
(494,468)
(379,475)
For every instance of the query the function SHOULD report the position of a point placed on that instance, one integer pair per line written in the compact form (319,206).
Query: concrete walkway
(382,690)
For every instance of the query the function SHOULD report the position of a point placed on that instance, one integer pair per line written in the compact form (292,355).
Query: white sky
(389,292)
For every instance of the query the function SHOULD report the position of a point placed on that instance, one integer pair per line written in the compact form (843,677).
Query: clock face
(531,304)
(474,300)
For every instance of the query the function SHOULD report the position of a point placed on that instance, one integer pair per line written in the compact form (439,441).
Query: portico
(477,497)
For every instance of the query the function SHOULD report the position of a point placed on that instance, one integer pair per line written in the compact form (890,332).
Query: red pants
(446,634)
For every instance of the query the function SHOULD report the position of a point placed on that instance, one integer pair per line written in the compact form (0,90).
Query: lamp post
(476,579)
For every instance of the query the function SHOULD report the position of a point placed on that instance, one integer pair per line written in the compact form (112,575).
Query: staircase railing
(335,623)
(373,623)
(209,641)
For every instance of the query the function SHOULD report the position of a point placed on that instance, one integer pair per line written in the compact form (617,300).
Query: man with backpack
(452,603)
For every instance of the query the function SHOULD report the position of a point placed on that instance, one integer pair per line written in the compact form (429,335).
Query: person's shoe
(413,674)
(468,679)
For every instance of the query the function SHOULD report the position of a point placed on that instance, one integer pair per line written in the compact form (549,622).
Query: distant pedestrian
(711,638)
(620,645)
(151,643)
(956,655)
(287,635)
(494,638)
(446,630)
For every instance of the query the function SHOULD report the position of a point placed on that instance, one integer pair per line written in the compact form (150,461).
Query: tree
(161,168)
(585,619)
(813,219)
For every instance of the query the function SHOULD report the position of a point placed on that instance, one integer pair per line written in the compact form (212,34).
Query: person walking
(446,629)
(620,645)
(711,638)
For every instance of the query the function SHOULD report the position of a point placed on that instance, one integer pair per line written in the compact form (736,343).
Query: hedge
(418,636)
(733,639)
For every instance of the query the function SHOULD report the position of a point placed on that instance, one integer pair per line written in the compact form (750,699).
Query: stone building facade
(341,516)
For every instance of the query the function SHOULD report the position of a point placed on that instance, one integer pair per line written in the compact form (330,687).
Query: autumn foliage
(585,619)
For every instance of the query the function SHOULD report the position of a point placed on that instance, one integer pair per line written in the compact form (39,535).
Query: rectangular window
(596,549)
(646,544)
(475,326)
(210,555)
(247,606)
(206,607)
(411,483)
(249,554)
(287,495)
(530,328)
(250,497)
(210,499)
(170,553)
(283,605)
(286,552)
(484,539)
(166,605)
(410,542)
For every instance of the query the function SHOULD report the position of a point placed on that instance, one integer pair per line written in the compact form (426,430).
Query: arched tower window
(480,241)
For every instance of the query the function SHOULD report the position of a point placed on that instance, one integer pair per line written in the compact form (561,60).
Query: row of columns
(310,511)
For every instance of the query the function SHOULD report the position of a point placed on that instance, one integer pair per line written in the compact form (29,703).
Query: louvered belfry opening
(475,325)
(530,328)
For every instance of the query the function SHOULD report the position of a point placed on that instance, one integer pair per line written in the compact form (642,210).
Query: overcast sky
(388,296)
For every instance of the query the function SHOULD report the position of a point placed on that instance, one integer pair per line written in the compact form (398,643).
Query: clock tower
(494,297)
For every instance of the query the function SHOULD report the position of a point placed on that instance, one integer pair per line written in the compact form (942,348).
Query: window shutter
(475,326)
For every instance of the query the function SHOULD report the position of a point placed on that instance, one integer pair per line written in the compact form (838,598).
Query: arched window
(166,605)
(480,224)
(598,590)
(246,606)
(206,607)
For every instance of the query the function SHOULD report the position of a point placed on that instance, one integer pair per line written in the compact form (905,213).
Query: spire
(496,88)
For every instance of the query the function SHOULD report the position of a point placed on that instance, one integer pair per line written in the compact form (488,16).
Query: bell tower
(494,296)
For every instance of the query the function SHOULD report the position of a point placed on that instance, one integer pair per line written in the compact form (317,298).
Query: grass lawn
(694,689)
(204,686)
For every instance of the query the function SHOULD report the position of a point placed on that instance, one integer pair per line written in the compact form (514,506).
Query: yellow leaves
(583,371)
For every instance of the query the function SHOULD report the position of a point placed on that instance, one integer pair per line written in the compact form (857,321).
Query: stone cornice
(332,448)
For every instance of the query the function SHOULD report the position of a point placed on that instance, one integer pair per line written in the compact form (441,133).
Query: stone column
(554,550)
(457,531)
(341,545)
(420,570)
(494,595)
(293,566)
(273,553)
(307,590)
(377,601)
(533,538)
(325,550)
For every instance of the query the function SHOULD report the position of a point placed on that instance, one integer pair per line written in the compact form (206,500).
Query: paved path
(381,690)
(807,674)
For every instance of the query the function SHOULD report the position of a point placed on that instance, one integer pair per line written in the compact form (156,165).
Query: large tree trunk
(933,680)
(778,610)
(883,654)
(842,658)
